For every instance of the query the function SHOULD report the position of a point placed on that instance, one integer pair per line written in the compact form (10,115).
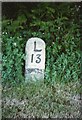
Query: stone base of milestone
(35,74)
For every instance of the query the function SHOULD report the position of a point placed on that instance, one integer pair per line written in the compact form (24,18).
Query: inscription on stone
(35,59)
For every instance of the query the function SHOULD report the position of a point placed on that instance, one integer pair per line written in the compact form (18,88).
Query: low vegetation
(42,101)
(59,94)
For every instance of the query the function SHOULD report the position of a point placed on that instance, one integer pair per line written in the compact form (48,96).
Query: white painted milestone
(35,59)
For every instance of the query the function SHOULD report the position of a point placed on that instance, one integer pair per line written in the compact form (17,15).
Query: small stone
(35,59)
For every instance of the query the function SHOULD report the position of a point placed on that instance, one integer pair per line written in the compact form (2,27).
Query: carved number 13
(38,58)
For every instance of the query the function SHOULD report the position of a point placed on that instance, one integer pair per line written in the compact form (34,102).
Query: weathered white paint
(35,58)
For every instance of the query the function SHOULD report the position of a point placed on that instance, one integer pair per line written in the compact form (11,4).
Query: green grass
(41,100)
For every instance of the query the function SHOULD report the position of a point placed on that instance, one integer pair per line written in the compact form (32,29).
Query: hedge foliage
(58,25)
